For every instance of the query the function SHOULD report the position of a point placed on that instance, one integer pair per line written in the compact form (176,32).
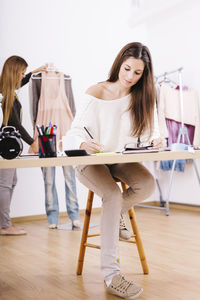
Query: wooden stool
(85,235)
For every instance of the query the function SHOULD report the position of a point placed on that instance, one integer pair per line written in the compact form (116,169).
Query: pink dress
(53,105)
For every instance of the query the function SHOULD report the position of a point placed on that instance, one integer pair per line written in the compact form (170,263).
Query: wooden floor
(42,265)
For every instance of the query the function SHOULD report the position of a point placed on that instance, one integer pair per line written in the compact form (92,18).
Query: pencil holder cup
(47,145)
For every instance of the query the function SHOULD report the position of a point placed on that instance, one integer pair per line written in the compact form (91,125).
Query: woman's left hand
(40,69)
(33,148)
(159,143)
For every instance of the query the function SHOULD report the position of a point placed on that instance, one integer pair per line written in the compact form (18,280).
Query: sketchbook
(140,151)
(144,150)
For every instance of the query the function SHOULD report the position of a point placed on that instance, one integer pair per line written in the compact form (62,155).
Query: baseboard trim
(173,205)
(44,217)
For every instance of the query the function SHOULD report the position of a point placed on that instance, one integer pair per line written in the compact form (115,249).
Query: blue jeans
(51,196)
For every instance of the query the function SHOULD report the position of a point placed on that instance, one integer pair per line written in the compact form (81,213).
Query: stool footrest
(136,239)
(92,246)
(129,241)
(93,235)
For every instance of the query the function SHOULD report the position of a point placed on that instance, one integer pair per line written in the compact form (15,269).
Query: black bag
(10,143)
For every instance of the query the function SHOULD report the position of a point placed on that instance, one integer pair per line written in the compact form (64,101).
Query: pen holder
(47,145)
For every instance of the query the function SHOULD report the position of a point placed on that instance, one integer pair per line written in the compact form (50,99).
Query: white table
(32,162)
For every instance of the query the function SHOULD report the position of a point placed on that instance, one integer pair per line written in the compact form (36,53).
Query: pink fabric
(53,104)
(173,129)
(169,107)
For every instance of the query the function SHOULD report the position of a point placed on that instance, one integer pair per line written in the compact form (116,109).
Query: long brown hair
(10,80)
(143,92)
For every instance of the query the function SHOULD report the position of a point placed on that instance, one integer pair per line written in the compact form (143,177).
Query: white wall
(82,38)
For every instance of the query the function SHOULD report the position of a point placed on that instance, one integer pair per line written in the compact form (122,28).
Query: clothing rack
(165,76)
(183,131)
(182,134)
(169,73)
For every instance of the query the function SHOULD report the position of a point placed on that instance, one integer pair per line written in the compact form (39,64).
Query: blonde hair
(10,80)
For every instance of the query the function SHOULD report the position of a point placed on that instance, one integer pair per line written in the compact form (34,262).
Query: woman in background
(12,78)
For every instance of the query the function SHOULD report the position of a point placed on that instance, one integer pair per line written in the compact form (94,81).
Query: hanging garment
(169,118)
(35,91)
(53,104)
(169,107)
(173,130)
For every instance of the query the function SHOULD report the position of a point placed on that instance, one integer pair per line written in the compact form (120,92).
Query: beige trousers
(100,179)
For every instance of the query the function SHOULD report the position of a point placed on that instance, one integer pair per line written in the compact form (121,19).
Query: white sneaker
(124,288)
(124,234)
(52,226)
(76,225)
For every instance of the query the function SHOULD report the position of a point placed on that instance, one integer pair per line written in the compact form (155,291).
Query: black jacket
(15,115)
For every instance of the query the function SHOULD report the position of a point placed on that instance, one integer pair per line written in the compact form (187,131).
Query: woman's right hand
(40,69)
(91,147)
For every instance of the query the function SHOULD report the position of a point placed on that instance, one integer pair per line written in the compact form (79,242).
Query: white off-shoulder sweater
(109,123)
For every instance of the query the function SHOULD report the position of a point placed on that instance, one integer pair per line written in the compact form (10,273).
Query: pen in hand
(92,146)
(88,133)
